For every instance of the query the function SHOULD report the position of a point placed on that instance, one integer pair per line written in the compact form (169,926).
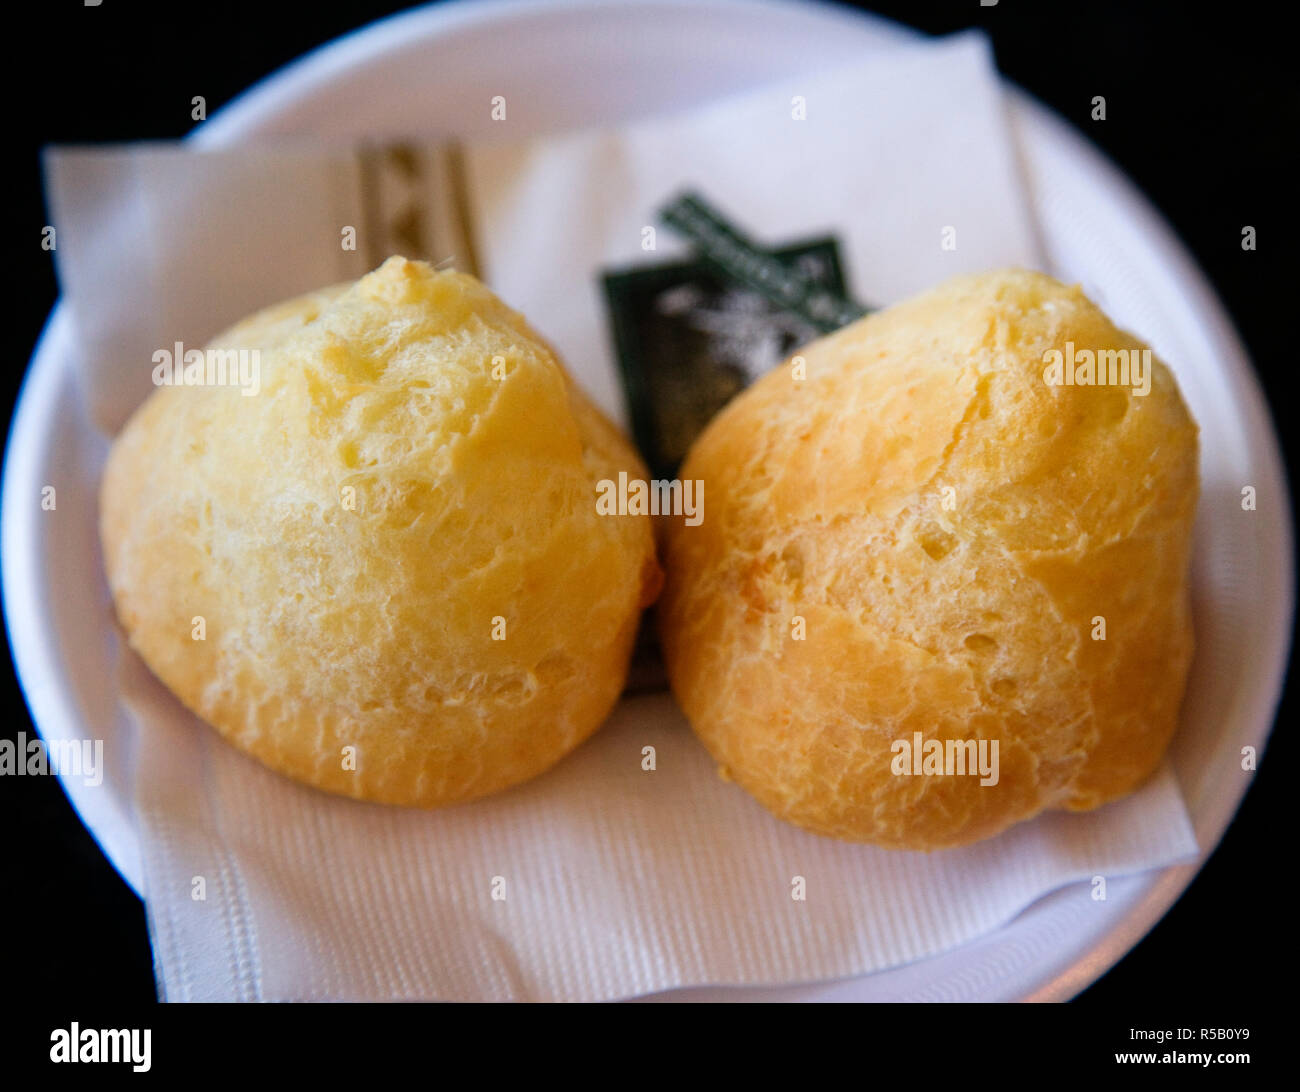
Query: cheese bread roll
(381,571)
(933,540)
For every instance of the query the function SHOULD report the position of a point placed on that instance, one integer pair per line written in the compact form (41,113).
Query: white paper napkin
(617,881)
(896,157)
(159,243)
(609,880)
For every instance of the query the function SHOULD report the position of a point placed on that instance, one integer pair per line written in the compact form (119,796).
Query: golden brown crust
(825,500)
(370,624)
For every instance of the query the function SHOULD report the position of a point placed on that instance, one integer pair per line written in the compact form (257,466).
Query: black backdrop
(1203,115)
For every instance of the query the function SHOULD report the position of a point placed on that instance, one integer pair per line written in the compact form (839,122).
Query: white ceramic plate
(582,62)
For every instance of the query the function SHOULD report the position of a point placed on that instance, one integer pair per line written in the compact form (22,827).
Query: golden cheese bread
(383,573)
(932,529)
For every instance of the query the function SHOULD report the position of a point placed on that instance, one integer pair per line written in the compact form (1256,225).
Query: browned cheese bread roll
(936,538)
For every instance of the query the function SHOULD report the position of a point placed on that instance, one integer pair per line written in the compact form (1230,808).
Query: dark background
(1203,114)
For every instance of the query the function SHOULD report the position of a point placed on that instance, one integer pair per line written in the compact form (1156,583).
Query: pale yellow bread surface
(825,500)
(352,533)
